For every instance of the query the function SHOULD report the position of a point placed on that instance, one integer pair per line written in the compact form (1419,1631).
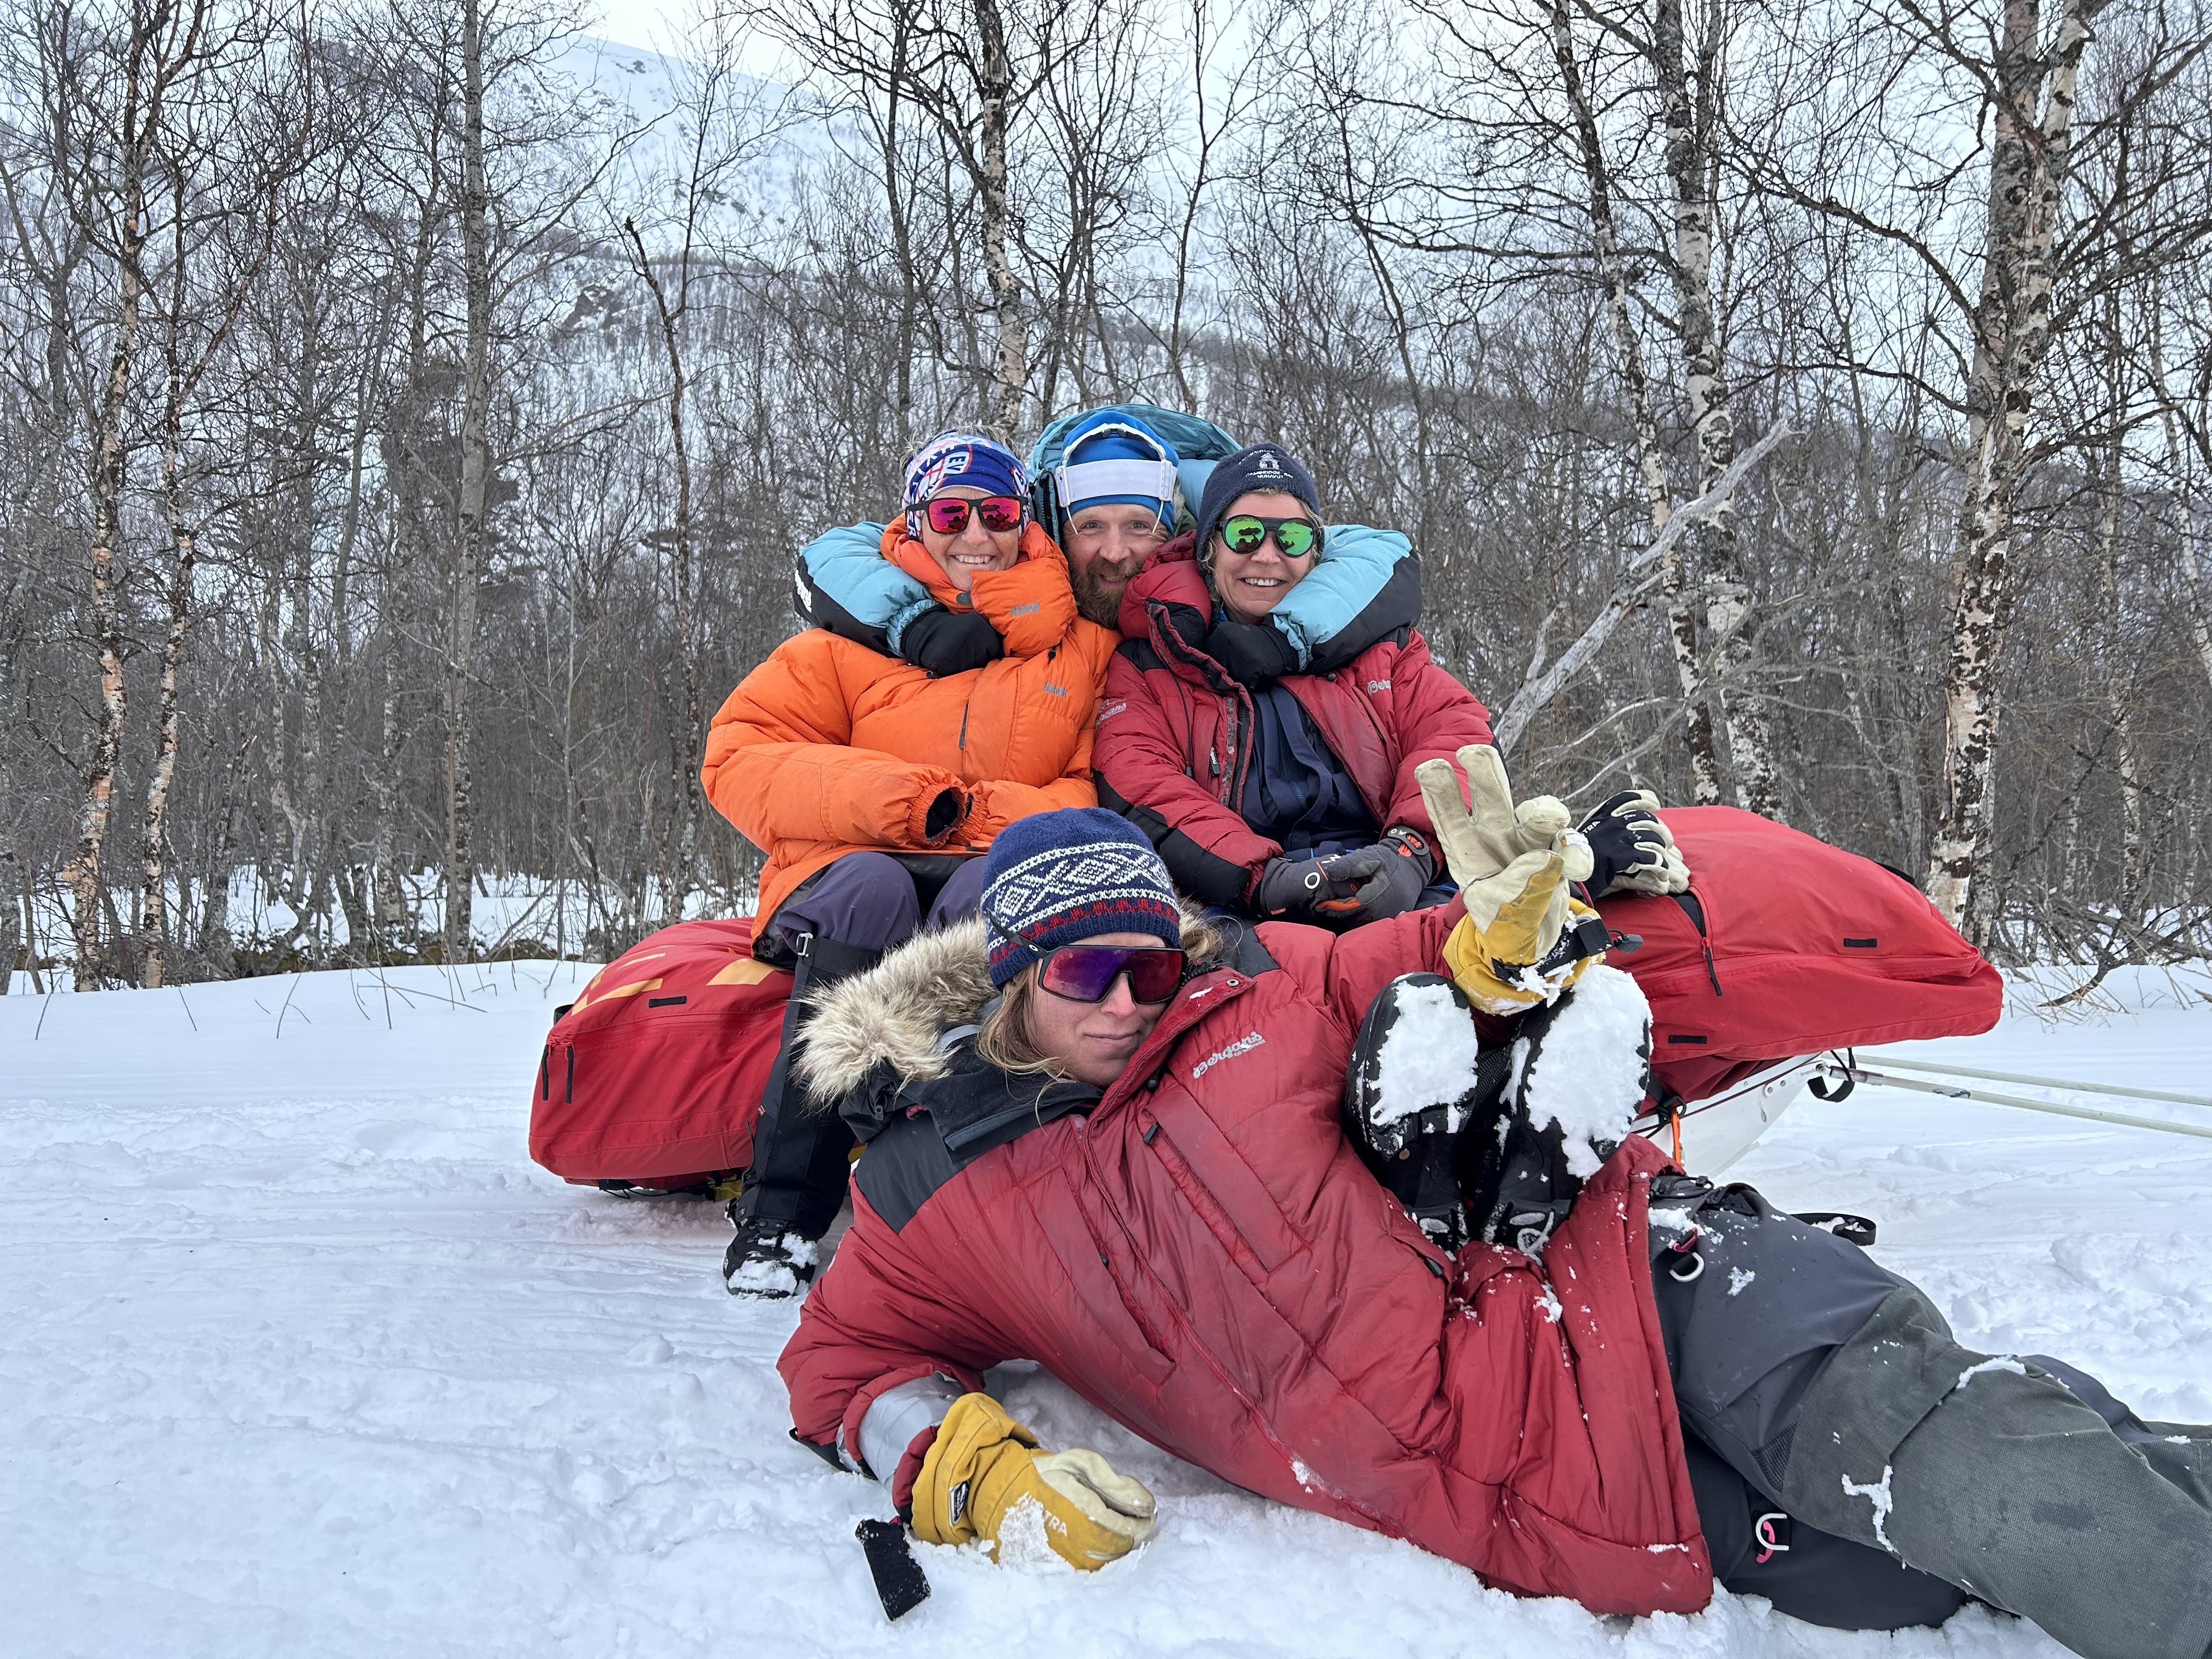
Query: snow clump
(1587,1075)
(1428,1054)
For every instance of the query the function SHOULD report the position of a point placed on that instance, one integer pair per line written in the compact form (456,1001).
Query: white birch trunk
(140,116)
(690,743)
(1715,552)
(476,486)
(1009,375)
(1652,466)
(2032,120)
(2116,705)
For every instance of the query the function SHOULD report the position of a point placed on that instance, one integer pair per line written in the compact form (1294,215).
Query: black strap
(899,1585)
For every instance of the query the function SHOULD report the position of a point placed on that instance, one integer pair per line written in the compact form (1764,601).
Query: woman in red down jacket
(1194,1247)
(1273,788)
(1132,1166)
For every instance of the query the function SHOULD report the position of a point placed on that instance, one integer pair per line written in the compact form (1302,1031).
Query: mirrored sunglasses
(948,514)
(1085,973)
(1297,537)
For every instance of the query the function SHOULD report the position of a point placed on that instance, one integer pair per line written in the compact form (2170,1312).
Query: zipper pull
(1214,758)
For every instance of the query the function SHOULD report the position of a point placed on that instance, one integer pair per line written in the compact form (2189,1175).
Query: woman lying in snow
(1106,1138)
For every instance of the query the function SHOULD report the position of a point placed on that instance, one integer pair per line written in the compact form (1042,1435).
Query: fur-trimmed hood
(900,1009)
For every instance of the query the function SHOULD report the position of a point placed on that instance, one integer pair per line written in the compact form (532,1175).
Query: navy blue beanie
(1055,879)
(1256,466)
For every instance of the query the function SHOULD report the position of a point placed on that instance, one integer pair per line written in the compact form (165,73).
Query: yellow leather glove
(1515,866)
(985,1477)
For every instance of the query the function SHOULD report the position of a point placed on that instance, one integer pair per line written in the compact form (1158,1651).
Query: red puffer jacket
(1200,1255)
(1174,725)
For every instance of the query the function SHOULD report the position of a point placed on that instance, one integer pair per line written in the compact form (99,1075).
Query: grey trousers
(1834,1389)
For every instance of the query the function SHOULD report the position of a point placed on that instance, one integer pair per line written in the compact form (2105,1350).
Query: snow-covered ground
(299,1354)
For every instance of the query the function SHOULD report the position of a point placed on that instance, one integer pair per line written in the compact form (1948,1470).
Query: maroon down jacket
(1200,1255)
(1174,725)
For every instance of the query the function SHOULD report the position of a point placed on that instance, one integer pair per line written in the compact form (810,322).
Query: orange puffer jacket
(829,748)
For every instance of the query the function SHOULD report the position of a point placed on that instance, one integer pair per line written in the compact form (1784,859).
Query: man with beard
(1117,480)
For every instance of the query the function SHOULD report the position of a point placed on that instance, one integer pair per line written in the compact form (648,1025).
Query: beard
(1099,592)
(1098,586)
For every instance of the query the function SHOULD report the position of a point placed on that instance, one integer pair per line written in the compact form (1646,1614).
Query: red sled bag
(654,1074)
(1784,946)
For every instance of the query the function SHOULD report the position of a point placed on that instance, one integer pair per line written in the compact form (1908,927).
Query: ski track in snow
(299,1354)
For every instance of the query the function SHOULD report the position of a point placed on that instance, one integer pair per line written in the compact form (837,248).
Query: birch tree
(224,162)
(123,70)
(1690,91)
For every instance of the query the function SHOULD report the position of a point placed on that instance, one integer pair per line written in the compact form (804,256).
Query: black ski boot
(1417,1073)
(1562,1113)
(801,1157)
(767,1259)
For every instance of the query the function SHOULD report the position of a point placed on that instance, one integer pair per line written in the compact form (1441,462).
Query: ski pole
(1991,1098)
(2044,1082)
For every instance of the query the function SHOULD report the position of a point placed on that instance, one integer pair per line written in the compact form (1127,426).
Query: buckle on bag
(1772,1531)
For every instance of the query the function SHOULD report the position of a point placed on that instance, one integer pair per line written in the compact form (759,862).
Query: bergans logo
(1244,1045)
(1107,712)
(1375,687)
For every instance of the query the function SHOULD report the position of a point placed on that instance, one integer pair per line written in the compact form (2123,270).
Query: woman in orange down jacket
(874,787)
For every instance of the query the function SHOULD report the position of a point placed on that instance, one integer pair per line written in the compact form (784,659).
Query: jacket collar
(1030,603)
(898,1012)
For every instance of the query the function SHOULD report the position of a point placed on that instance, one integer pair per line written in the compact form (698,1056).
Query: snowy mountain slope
(300,1355)
(649,97)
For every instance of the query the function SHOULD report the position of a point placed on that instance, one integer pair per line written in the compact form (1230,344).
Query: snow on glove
(1633,852)
(1318,891)
(1522,941)
(985,1477)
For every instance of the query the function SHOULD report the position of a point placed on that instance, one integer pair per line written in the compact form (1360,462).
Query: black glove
(1317,892)
(1252,652)
(1403,863)
(1631,850)
(940,641)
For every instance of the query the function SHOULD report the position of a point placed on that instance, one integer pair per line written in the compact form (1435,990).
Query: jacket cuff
(909,1470)
(900,1426)
(1249,899)
(917,824)
(895,632)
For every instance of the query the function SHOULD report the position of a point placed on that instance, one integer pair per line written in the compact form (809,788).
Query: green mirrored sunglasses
(1298,538)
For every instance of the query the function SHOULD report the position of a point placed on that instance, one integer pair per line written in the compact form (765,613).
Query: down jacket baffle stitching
(1175,721)
(1204,1258)
(829,748)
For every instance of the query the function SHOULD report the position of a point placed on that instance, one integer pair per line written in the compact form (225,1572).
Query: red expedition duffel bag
(1784,946)
(653,1075)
